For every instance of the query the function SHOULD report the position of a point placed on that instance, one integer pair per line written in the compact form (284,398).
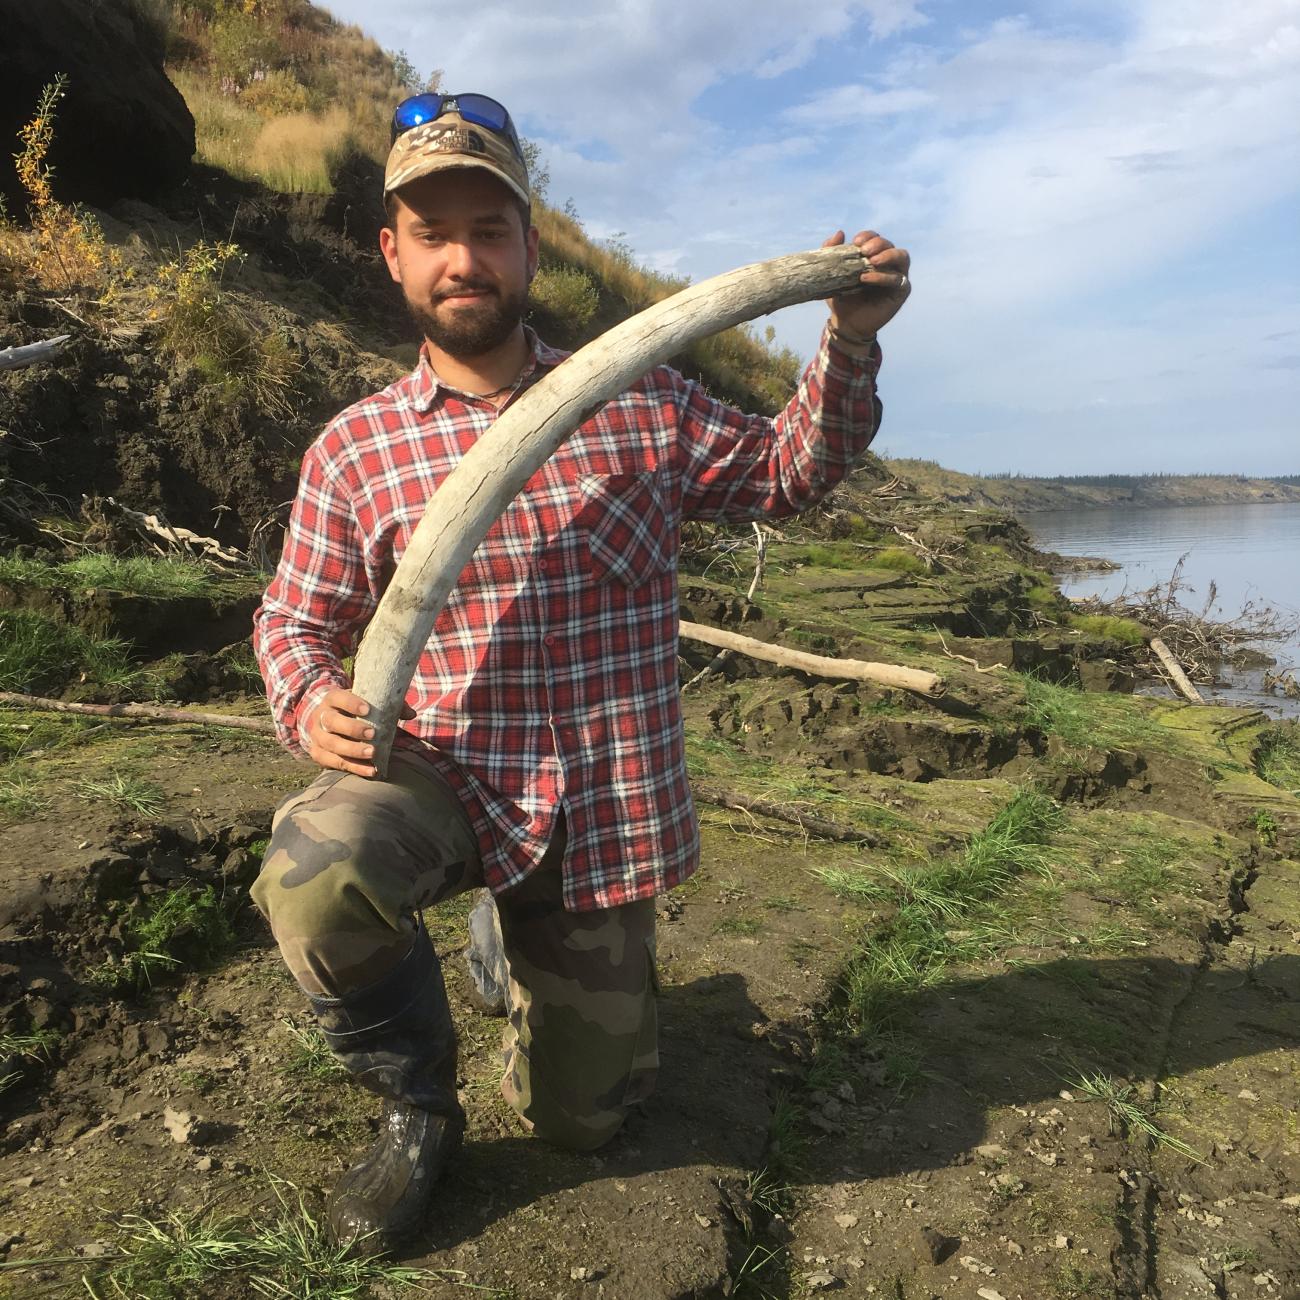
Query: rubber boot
(489,976)
(396,1039)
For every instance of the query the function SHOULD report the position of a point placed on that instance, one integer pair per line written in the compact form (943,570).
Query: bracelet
(853,340)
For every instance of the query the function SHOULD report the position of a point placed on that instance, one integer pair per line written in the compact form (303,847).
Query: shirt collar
(426,388)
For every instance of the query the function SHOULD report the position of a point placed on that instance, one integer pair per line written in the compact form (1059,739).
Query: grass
(281,1252)
(1277,756)
(129,793)
(1128,1113)
(1126,631)
(898,560)
(39,657)
(911,950)
(1090,720)
(140,575)
(186,927)
(311,1057)
(20,797)
(24,733)
(15,1049)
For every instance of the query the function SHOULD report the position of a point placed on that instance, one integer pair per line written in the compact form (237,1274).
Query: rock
(821,1281)
(180,1124)
(973,1265)
(991,1151)
(938,1246)
(847,1221)
(1061,1241)
(988,1293)
(123,129)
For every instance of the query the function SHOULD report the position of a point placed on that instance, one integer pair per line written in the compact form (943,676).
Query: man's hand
(885,287)
(339,734)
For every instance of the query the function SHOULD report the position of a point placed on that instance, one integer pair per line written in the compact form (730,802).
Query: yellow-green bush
(898,559)
(566,293)
(1126,631)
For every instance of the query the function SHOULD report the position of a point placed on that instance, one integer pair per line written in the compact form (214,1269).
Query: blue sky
(1102,199)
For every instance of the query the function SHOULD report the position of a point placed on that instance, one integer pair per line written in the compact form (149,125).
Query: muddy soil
(974,1144)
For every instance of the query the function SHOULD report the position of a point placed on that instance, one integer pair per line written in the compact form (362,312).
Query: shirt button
(548,639)
(541,566)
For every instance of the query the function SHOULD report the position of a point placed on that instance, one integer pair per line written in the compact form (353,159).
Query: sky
(1101,197)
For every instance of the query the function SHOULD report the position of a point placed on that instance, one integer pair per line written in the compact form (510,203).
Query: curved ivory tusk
(489,476)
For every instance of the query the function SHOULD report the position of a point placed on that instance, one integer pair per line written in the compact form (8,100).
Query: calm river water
(1251,552)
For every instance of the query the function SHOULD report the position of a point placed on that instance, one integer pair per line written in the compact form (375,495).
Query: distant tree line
(1136,480)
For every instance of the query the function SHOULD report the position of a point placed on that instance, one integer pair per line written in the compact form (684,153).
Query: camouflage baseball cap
(449,142)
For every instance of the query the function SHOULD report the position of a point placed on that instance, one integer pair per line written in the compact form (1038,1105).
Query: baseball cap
(449,142)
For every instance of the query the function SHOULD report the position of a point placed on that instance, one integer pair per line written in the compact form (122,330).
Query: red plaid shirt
(551,677)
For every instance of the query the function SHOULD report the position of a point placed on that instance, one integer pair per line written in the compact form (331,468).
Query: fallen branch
(138,712)
(966,659)
(1176,675)
(183,539)
(32,354)
(818,827)
(858,670)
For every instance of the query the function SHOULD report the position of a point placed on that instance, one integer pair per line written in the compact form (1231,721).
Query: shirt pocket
(623,518)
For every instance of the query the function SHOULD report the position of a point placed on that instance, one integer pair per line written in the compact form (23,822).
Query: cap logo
(437,138)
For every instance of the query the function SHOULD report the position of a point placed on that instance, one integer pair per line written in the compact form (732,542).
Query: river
(1250,552)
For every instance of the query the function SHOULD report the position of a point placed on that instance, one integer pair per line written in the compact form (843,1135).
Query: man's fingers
(335,723)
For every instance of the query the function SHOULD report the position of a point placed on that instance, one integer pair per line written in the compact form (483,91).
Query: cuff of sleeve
(311,697)
(850,365)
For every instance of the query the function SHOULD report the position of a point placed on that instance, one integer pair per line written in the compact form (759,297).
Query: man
(543,754)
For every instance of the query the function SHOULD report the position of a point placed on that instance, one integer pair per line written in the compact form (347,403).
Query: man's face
(459,250)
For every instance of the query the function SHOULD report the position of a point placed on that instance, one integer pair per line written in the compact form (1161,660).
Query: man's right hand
(339,734)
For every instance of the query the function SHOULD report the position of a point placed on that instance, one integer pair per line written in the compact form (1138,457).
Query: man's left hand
(885,288)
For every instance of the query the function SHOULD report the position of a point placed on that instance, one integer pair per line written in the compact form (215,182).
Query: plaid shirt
(551,676)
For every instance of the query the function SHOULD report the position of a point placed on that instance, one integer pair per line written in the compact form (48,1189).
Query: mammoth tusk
(489,476)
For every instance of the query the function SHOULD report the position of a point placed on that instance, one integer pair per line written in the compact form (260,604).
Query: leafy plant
(123,791)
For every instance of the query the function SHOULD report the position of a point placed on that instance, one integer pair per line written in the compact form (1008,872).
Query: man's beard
(469,332)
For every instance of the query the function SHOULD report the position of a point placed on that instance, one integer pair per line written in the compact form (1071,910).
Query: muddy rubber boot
(489,976)
(396,1039)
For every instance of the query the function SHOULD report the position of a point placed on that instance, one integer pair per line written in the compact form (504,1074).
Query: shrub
(66,247)
(275,93)
(566,293)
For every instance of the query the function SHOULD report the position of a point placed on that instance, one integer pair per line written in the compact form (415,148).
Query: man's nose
(461,262)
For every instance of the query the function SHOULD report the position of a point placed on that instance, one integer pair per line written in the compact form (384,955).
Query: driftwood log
(496,467)
(1180,679)
(857,670)
(32,354)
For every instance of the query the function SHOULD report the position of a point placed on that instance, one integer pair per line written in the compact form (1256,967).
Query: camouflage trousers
(350,864)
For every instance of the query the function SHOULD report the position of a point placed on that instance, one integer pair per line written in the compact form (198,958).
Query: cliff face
(124,130)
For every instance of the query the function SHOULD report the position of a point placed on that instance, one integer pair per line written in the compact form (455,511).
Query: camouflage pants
(351,862)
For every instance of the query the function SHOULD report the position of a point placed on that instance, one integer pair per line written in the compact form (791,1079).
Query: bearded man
(542,756)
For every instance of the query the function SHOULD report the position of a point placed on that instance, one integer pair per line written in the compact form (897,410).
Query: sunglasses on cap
(479,109)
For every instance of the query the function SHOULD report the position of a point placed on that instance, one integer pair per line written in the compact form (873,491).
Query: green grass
(129,793)
(281,1251)
(741,926)
(311,1057)
(23,732)
(20,796)
(19,1049)
(1277,756)
(898,560)
(39,657)
(1126,631)
(185,927)
(141,575)
(1091,720)
(1129,1113)
(912,949)
(1141,868)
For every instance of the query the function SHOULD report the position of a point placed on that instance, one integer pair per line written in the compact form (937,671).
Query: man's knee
(336,925)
